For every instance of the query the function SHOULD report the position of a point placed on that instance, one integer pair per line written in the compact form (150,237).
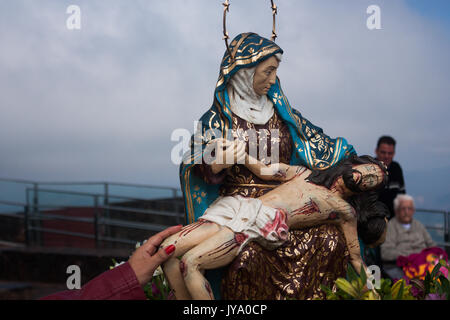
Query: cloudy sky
(100,103)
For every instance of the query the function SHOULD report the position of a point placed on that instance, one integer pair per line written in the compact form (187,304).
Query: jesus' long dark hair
(371,216)
(371,213)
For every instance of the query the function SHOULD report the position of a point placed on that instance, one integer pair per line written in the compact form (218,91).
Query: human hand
(146,259)
(227,153)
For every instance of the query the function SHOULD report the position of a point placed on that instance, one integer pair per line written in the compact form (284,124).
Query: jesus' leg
(187,238)
(217,251)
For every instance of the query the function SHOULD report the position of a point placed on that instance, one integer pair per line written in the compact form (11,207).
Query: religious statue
(250,106)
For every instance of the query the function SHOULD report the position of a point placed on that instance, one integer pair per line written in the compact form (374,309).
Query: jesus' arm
(275,171)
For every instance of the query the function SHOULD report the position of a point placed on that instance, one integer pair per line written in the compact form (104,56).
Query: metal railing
(29,215)
(105,186)
(445,226)
(33,211)
(101,202)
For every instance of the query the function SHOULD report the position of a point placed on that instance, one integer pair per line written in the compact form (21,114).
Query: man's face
(385,152)
(405,211)
(265,76)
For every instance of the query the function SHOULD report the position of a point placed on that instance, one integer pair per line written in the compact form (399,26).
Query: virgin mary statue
(311,256)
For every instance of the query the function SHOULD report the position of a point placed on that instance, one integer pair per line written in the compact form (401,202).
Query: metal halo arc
(226,8)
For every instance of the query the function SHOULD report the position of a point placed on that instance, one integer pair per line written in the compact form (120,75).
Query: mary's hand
(227,153)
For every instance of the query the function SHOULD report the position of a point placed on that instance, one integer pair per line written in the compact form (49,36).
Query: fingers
(227,153)
(154,242)
(163,254)
(168,232)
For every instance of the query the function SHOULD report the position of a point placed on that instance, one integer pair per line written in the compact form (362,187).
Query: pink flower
(435,296)
(155,290)
(444,271)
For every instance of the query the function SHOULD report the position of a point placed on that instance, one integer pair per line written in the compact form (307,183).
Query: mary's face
(265,75)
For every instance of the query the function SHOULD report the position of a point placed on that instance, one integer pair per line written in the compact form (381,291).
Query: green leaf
(328,292)
(347,287)
(351,273)
(397,289)
(427,283)
(148,291)
(435,271)
(445,286)
(326,289)
(363,275)
(419,284)
(400,291)
(385,288)
(386,285)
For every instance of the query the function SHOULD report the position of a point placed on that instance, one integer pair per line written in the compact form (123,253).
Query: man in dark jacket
(385,152)
(395,185)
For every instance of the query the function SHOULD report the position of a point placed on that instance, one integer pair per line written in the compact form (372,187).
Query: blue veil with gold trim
(312,148)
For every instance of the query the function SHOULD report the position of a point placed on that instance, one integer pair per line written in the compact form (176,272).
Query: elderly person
(248,99)
(405,235)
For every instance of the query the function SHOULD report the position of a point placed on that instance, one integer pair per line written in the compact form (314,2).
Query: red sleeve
(119,283)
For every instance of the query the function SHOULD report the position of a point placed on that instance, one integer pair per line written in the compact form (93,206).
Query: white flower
(158,271)
(118,264)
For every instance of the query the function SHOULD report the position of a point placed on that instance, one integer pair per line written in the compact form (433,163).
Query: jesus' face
(367,176)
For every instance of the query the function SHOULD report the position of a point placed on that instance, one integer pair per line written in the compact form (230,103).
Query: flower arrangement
(435,286)
(158,288)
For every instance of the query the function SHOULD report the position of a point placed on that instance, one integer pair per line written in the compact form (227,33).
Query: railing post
(446,227)
(106,210)
(37,223)
(26,225)
(29,225)
(106,193)
(35,197)
(96,222)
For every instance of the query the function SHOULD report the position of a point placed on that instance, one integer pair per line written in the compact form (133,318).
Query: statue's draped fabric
(300,143)
(310,257)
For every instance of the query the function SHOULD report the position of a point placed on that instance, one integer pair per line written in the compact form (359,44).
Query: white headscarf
(244,101)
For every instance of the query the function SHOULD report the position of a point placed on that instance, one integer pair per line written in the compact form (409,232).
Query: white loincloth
(248,216)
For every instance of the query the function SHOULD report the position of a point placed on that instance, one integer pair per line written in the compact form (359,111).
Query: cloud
(103,101)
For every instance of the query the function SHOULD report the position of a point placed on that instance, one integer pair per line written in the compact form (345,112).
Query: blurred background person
(385,152)
(405,236)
